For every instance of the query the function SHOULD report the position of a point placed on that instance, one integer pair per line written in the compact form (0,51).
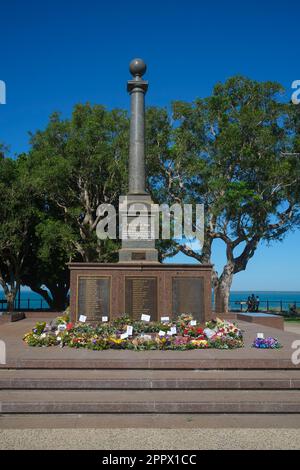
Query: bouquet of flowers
(266,343)
(200,343)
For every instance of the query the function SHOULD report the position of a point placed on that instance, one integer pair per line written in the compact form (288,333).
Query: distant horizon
(25,288)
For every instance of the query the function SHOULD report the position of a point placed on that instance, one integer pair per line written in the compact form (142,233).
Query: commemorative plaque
(188,297)
(94,297)
(141,297)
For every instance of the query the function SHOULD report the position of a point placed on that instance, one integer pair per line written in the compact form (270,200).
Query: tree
(17,219)
(233,153)
(77,165)
(46,271)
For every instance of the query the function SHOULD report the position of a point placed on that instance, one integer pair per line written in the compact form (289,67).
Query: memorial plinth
(139,284)
(113,289)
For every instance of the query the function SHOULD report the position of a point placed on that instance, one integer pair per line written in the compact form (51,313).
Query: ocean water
(272,299)
(277,300)
(28,300)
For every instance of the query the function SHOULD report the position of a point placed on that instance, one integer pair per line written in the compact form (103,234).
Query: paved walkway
(150,439)
(17,351)
(292,327)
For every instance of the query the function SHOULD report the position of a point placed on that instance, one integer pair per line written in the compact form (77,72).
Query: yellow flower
(199,342)
(116,340)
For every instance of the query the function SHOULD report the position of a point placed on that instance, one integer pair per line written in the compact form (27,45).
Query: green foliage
(18,216)
(79,164)
(235,153)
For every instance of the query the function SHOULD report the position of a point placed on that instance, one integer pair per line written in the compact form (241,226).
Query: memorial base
(112,290)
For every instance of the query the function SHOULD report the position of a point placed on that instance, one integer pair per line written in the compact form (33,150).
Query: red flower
(69,326)
(200,331)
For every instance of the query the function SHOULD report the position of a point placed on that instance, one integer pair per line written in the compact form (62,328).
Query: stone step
(149,401)
(130,360)
(149,379)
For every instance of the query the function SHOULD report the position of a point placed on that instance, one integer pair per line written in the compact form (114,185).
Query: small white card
(260,336)
(129,330)
(145,317)
(161,333)
(62,327)
(124,335)
(209,333)
(82,318)
(193,322)
(164,319)
(173,330)
(104,319)
(148,337)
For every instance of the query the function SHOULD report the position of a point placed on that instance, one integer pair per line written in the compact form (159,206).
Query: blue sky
(57,53)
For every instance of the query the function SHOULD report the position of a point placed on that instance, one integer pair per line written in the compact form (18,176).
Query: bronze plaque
(141,297)
(94,298)
(188,296)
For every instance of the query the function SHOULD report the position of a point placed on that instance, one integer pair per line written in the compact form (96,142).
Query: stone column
(138,247)
(137,89)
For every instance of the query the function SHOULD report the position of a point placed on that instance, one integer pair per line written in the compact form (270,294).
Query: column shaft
(137,143)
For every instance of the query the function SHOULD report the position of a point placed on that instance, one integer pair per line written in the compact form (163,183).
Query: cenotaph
(138,284)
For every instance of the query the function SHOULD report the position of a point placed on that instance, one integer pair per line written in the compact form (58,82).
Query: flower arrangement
(266,343)
(188,334)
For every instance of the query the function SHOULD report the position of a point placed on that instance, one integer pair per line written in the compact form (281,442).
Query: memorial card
(165,319)
(145,317)
(129,330)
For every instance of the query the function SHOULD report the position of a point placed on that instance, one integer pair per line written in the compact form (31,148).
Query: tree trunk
(59,297)
(222,290)
(10,297)
(58,300)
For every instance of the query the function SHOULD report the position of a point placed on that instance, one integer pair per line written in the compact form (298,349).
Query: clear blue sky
(57,53)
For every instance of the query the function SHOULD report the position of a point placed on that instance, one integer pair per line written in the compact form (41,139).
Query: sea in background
(276,300)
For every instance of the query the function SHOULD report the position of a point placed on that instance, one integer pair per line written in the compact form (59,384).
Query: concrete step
(180,421)
(149,401)
(149,379)
(176,360)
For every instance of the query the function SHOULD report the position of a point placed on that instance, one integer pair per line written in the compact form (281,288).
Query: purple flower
(266,343)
